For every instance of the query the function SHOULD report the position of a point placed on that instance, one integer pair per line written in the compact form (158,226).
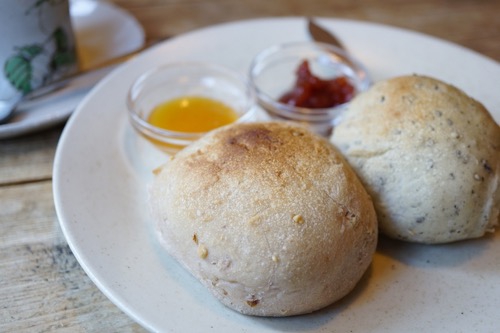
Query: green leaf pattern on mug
(18,68)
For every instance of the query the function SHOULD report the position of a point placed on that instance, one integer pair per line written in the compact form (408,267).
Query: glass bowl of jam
(176,104)
(307,82)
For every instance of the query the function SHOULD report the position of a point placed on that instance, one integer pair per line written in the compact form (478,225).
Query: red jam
(312,92)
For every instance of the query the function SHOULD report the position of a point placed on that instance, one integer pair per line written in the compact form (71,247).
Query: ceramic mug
(37,45)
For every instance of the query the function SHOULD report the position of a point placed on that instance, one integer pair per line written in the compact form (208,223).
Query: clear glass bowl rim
(180,138)
(301,113)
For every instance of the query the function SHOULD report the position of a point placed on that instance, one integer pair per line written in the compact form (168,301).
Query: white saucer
(103,31)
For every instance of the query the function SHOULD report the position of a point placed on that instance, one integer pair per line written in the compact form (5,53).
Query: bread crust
(268,216)
(429,156)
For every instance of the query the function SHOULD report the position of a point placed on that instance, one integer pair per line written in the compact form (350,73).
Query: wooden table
(42,287)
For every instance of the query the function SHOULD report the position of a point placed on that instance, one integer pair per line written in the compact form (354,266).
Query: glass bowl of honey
(176,104)
(307,82)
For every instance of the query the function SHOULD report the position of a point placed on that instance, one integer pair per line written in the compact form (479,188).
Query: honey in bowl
(192,114)
(176,104)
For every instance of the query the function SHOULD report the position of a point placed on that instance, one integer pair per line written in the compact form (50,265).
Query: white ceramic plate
(102,169)
(103,31)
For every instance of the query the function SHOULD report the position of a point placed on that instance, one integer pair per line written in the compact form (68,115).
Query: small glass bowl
(273,72)
(176,80)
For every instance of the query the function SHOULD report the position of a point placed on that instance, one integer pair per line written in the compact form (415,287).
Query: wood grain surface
(42,286)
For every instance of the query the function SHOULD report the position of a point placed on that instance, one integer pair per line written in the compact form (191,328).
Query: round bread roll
(428,155)
(268,216)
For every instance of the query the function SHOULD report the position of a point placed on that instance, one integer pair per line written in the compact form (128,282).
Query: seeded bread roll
(268,216)
(429,156)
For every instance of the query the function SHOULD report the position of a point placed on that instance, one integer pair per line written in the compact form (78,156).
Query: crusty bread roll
(268,216)
(429,156)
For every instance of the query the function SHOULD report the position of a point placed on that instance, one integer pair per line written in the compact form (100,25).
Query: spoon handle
(322,35)
(93,74)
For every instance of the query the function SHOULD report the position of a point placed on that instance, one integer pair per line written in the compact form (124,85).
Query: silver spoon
(61,88)
(322,35)
(86,78)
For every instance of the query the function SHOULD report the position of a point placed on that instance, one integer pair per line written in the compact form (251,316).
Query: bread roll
(268,216)
(429,156)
